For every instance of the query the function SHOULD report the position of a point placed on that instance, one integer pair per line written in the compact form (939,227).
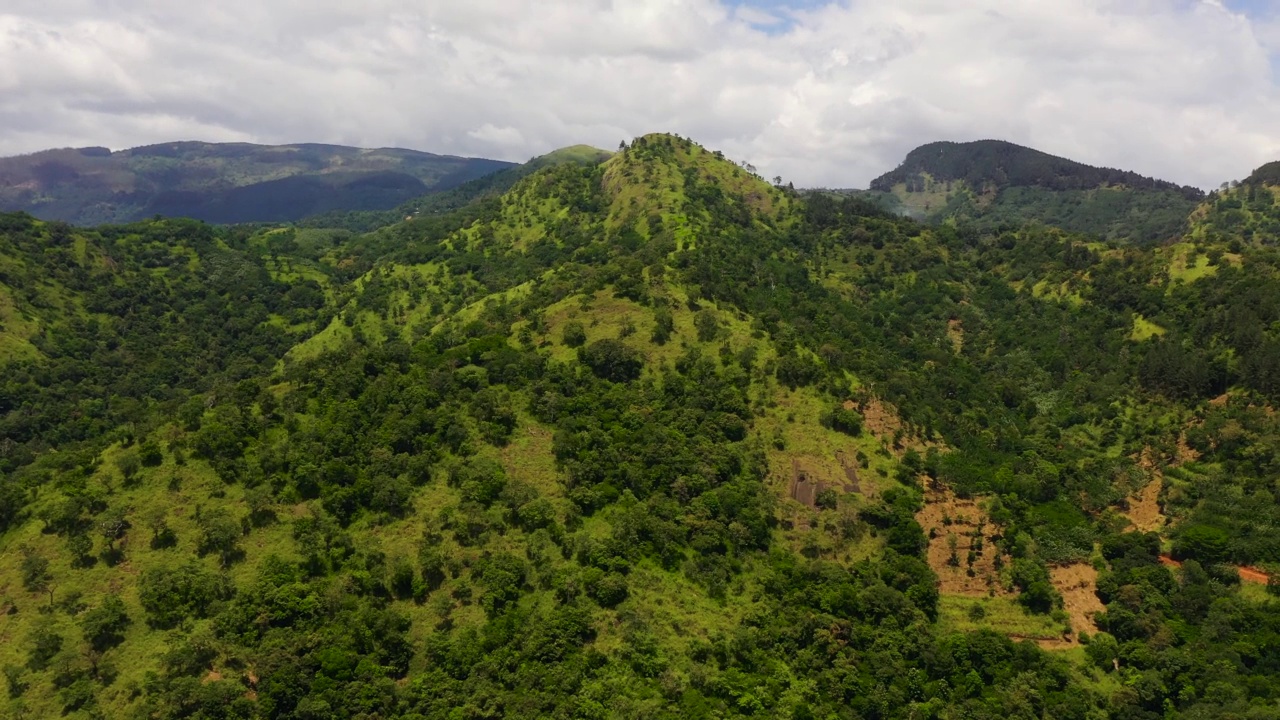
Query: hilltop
(457,198)
(224,182)
(996,183)
(638,436)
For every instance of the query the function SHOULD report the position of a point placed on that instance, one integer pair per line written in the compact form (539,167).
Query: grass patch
(1187,266)
(1001,614)
(1144,329)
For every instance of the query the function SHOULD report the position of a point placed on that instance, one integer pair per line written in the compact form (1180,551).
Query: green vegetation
(542,456)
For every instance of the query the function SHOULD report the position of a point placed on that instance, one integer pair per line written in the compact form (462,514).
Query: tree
(574,334)
(162,536)
(128,463)
(81,547)
(220,533)
(664,325)
(827,499)
(35,570)
(502,576)
(1202,542)
(707,325)
(169,595)
(150,454)
(112,525)
(43,643)
(612,360)
(104,626)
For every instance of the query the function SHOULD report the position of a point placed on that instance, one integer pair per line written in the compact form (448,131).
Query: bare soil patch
(1144,507)
(882,420)
(1078,585)
(962,549)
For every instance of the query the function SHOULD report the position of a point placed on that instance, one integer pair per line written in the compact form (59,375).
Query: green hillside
(224,182)
(994,184)
(457,198)
(640,438)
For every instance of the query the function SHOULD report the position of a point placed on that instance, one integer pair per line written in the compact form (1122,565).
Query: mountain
(1268,174)
(645,437)
(995,183)
(224,182)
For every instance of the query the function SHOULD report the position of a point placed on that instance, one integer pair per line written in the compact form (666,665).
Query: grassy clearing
(1144,329)
(1187,266)
(1062,292)
(1001,614)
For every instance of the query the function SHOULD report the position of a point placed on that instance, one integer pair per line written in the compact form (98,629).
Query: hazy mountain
(224,182)
(996,183)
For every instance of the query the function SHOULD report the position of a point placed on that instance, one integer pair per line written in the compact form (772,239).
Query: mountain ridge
(224,182)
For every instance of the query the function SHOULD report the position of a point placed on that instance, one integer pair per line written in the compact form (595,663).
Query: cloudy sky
(822,93)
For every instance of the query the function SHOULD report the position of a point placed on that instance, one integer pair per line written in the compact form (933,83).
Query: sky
(823,93)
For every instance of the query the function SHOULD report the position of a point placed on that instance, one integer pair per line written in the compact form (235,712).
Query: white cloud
(1181,89)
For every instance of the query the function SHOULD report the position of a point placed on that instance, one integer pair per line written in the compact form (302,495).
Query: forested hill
(640,438)
(457,198)
(998,165)
(993,183)
(224,182)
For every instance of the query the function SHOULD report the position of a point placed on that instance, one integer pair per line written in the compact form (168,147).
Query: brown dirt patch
(955,333)
(956,528)
(882,420)
(1078,585)
(1186,453)
(1144,507)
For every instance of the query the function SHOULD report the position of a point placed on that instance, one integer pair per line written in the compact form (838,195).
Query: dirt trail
(1247,574)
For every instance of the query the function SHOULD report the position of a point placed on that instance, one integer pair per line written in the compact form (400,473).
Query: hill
(645,437)
(446,201)
(995,183)
(224,182)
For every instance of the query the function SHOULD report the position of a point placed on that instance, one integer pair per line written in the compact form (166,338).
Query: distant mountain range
(225,182)
(987,183)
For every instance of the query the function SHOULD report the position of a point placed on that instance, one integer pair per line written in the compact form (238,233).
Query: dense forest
(641,437)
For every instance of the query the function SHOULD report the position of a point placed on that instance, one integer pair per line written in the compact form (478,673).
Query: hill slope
(999,183)
(446,201)
(641,438)
(224,182)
